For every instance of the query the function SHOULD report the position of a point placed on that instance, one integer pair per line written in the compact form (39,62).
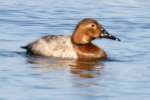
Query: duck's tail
(25,47)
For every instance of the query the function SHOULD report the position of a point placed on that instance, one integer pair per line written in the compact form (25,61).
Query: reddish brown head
(89,29)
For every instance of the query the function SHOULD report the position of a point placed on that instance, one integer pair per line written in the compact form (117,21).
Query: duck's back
(52,46)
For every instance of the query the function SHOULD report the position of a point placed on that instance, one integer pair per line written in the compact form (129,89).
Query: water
(124,76)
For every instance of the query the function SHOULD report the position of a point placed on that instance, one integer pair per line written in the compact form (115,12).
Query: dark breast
(89,51)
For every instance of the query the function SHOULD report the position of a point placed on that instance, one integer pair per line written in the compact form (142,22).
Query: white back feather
(54,46)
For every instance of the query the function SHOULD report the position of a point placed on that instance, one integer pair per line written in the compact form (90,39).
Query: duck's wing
(49,40)
(52,45)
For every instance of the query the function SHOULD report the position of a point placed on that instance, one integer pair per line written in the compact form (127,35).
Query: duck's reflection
(86,68)
(81,68)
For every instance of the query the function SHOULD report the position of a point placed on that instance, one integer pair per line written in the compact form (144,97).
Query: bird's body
(61,46)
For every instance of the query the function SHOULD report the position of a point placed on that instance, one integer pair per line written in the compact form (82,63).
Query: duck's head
(89,29)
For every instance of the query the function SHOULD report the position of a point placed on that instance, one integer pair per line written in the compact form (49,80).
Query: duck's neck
(80,38)
(89,51)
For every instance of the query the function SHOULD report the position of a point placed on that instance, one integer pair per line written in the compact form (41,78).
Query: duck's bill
(106,35)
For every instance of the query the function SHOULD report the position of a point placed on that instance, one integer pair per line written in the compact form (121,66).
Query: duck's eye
(92,25)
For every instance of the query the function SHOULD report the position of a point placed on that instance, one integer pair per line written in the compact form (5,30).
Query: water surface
(124,76)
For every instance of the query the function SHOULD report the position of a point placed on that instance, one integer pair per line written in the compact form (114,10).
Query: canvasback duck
(77,46)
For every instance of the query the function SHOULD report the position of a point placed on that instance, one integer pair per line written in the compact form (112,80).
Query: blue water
(124,76)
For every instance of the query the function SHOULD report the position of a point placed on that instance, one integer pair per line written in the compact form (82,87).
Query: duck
(77,46)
